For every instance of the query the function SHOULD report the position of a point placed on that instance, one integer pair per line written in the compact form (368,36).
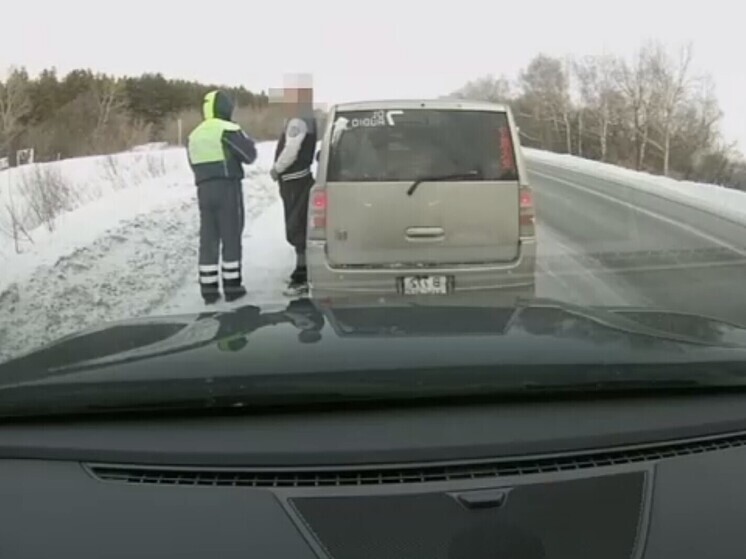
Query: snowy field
(129,248)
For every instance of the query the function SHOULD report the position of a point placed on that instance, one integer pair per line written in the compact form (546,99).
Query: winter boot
(232,284)
(296,290)
(233,290)
(235,293)
(300,273)
(298,283)
(210,293)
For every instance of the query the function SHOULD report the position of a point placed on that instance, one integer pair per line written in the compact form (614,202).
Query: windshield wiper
(453,176)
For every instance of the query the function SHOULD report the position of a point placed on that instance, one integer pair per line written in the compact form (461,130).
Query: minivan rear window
(404,145)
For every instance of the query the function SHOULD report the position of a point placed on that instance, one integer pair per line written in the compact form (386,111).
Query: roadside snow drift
(719,200)
(128,249)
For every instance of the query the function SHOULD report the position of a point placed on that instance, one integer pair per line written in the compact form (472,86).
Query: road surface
(598,245)
(601,245)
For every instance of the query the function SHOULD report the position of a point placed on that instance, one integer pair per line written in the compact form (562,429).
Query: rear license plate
(425,285)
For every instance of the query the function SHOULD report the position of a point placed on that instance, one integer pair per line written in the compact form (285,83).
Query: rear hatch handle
(474,174)
(425,233)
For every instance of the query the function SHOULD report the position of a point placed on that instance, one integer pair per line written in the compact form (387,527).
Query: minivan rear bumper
(328,282)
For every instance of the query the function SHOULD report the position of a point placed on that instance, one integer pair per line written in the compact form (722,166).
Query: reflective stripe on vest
(206,141)
(208,108)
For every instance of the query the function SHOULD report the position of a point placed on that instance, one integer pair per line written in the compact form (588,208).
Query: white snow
(152,146)
(723,201)
(130,252)
(267,259)
(126,183)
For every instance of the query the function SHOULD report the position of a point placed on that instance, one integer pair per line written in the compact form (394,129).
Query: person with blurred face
(292,170)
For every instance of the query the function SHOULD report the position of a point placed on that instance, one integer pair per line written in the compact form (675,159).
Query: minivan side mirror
(318,156)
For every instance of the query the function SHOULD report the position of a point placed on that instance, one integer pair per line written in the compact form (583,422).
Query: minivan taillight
(317,214)
(527,213)
(507,160)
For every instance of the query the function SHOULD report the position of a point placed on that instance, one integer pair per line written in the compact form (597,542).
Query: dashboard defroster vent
(403,474)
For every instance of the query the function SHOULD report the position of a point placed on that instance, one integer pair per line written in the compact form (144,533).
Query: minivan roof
(439,104)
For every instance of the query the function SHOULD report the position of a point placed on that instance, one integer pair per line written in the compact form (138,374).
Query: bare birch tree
(545,86)
(637,85)
(672,81)
(565,103)
(598,90)
(109,96)
(487,88)
(14,106)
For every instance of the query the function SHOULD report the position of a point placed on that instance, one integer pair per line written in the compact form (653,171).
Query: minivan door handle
(425,233)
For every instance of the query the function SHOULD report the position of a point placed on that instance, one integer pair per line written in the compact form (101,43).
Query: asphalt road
(601,244)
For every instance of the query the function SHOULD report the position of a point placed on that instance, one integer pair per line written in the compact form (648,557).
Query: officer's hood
(217,104)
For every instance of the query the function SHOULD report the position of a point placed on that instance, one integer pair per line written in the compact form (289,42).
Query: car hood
(318,347)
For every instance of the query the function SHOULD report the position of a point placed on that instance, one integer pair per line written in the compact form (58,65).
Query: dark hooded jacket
(218,147)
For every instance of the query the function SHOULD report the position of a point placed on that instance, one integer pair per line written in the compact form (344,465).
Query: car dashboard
(635,477)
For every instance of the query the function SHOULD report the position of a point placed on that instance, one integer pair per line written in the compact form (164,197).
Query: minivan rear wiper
(453,176)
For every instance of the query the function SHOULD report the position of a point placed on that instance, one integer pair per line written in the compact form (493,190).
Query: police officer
(292,169)
(217,149)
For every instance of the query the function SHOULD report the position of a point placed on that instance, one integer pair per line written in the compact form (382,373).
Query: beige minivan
(420,198)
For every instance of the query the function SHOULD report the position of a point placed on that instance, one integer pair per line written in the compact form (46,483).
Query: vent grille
(393,475)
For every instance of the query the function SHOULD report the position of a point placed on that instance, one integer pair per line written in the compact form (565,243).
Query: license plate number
(425,285)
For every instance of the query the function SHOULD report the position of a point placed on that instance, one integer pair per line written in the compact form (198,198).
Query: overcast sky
(394,49)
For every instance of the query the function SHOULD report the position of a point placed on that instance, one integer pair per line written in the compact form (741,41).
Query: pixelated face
(297,93)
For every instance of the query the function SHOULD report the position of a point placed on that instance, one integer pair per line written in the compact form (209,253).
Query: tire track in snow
(128,272)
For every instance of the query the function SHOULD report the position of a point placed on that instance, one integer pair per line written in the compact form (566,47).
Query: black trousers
(295,197)
(221,211)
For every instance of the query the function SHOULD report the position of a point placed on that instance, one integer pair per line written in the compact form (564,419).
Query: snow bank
(126,252)
(151,146)
(723,201)
(108,189)
(89,179)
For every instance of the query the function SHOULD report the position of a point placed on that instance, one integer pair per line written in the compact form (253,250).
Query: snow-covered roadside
(130,253)
(90,180)
(267,261)
(723,201)
(123,273)
(85,225)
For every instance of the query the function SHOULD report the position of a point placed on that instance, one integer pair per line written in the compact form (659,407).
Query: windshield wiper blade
(452,176)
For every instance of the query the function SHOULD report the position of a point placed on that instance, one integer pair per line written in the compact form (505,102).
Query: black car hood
(317,348)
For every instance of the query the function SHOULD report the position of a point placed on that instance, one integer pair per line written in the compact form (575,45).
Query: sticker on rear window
(376,119)
(390,116)
(340,125)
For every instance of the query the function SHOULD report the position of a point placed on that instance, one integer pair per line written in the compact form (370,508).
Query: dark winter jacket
(218,147)
(295,149)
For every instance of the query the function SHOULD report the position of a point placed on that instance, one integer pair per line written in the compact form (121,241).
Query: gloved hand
(274,174)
